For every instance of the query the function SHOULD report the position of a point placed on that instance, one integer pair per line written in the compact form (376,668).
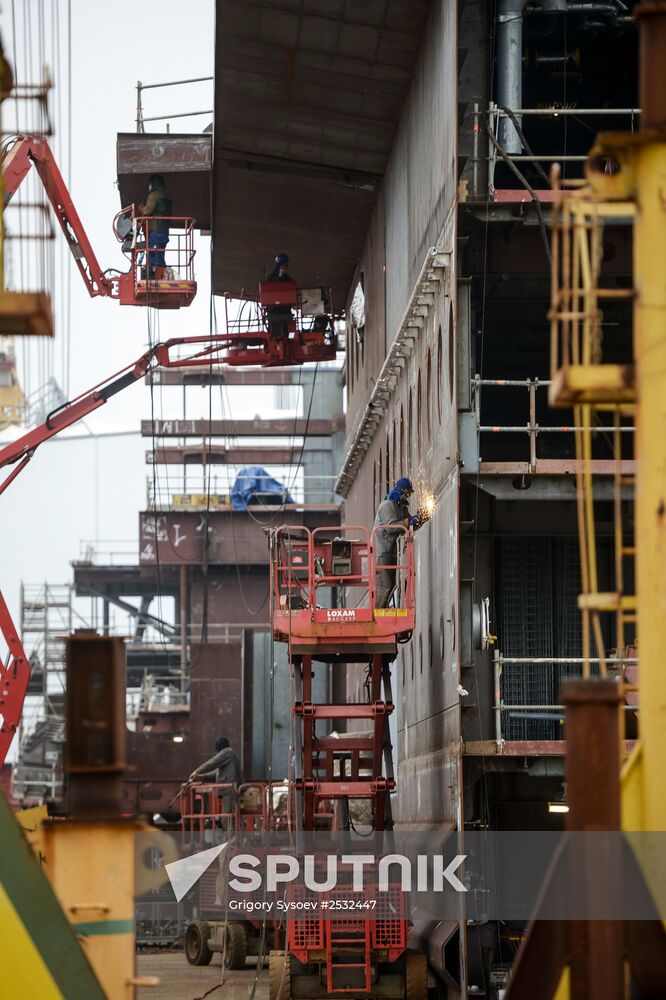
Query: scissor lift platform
(324,586)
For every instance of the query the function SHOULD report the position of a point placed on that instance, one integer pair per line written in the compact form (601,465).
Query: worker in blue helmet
(279,317)
(156,209)
(392,513)
(279,272)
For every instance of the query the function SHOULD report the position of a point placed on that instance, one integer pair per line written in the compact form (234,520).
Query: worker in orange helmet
(156,209)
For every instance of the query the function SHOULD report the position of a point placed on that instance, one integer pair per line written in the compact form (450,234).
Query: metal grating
(568,631)
(525,618)
(389,929)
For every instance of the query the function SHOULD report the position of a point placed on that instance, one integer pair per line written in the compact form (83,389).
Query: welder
(279,317)
(392,515)
(157,209)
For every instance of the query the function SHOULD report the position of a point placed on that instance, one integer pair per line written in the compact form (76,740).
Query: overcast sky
(94,489)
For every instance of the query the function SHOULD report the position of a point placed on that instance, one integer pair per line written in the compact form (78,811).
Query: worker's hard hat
(281,258)
(404,484)
(155,181)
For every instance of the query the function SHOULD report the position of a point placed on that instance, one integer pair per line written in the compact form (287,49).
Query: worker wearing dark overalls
(157,209)
(279,317)
(392,513)
(224,767)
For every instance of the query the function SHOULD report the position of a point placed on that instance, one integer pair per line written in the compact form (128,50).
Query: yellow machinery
(67,905)
(21,313)
(625,178)
(12,400)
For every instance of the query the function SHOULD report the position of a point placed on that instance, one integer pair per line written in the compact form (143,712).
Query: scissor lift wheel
(279,976)
(197,951)
(416,976)
(235,946)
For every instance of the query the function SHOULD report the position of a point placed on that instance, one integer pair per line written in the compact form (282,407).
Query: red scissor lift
(209,812)
(283,325)
(324,584)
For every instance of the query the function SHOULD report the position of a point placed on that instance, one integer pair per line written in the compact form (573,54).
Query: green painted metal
(38,908)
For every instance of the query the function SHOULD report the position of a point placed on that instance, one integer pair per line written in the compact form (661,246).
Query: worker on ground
(157,209)
(392,515)
(224,768)
(279,317)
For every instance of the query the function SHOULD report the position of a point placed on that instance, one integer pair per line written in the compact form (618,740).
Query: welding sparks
(427,502)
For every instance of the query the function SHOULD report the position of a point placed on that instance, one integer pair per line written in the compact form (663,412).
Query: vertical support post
(533,426)
(492,153)
(593,795)
(297,747)
(105,617)
(139,108)
(475,152)
(182,601)
(510,70)
(497,686)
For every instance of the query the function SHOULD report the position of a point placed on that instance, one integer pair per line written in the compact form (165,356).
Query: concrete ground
(180,981)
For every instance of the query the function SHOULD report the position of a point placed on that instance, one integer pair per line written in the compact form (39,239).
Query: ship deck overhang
(307,99)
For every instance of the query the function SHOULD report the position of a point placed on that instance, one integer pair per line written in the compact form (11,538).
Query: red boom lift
(15,673)
(283,325)
(324,584)
(166,288)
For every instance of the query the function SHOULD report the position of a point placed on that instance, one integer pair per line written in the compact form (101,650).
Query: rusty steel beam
(224,376)
(524,748)
(555,466)
(594,950)
(183,160)
(593,796)
(217,455)
(234,538)
(287,427)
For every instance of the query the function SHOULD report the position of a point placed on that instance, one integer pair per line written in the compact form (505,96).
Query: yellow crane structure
(625,178)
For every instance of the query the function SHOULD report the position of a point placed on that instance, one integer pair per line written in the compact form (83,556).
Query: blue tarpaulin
(252,480)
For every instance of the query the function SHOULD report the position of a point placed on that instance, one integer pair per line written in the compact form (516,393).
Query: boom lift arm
(130,287)
(15,673)
(29,150)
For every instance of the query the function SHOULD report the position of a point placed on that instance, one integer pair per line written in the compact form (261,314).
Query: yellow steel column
(650,358)
(649,169)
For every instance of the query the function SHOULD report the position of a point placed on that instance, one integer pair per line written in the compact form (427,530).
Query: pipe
(497,685)
(510,70)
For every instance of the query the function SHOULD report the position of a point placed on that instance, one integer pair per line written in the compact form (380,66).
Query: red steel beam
(219,455)
(241,428)
(344,711)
